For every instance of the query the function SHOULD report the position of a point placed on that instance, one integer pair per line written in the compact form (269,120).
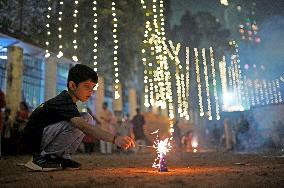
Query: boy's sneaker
(43,163)
(69,164)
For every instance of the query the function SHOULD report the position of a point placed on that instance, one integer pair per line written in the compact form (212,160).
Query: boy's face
(83,90)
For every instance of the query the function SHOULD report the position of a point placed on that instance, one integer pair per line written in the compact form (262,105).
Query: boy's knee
(86,116)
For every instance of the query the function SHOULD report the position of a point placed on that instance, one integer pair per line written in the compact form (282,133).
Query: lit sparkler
(162,147)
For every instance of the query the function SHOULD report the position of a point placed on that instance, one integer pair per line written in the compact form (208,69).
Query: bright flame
(194,143)
(162,147)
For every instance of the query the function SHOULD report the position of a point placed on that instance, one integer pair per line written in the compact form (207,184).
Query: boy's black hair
(80,73)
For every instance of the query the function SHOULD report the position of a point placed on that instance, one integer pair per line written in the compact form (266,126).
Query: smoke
(268,55)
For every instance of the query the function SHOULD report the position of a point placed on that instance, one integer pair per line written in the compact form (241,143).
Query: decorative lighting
(60,12)
(206,84)
(223,77)
(115,51)
(95,35)
(224,2)
(256,86)
(187,88)
(261,92)
(279,92)
(214,83)
(75,27)
(270,92)
(275,94)
(266,91)
(198,82)
(250,84)
(47,53)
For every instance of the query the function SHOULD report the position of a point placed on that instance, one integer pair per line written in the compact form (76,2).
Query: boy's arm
(96,132)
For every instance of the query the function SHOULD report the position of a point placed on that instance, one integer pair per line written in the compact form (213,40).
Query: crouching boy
(56,128)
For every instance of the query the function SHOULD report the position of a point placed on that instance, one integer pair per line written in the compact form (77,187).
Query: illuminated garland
(270,92)
(198,82)
(115,51)
(223,77)
(274,91)
(187,85)
(74,57)
(60,53)
(177,75)
(206,84)
(48,32)
(262,101)
(247,91)
(279,92)
(266,91)
(256,92)
(214,84)
(250,83)
(95,34)
(230,78)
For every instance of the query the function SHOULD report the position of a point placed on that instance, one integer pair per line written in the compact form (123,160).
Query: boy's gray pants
(62,139)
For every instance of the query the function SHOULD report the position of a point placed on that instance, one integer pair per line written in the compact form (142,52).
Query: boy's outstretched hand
(125,142)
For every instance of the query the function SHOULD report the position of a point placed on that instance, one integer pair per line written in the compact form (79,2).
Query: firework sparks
(162,147)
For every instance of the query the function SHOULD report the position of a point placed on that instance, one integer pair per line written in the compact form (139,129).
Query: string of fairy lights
(265,91)
(279,93)
(48,32)
(187,84)
(60,35)
(214,84)
(223,77)
(75,28)
(157,77)
(261,93)
(115,51)
(209,113)
(95,35)
(256,86)
(198,79)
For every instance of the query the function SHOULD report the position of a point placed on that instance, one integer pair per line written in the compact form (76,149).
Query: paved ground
(208,169)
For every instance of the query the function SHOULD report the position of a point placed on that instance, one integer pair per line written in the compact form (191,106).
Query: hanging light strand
(95,35)
(270,92)
(75,29)
(279,92)
(209,113)
(275,91)
(115,51)
(256,87)
(60,35)
(223,76)
(187,84)
(214,83)
(48,32)
(266,91)
(201,111)
(262,101)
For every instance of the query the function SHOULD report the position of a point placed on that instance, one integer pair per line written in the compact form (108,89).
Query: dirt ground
(206,169)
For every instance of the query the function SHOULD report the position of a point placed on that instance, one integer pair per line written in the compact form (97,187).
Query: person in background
(105,118)
(7,133)
(186,141)
(177,135)
(88,141)
(2,105)
(22,116)
(137,130)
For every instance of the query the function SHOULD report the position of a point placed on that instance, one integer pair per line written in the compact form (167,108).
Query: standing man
(2,105)
(138,122)
(105,119)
